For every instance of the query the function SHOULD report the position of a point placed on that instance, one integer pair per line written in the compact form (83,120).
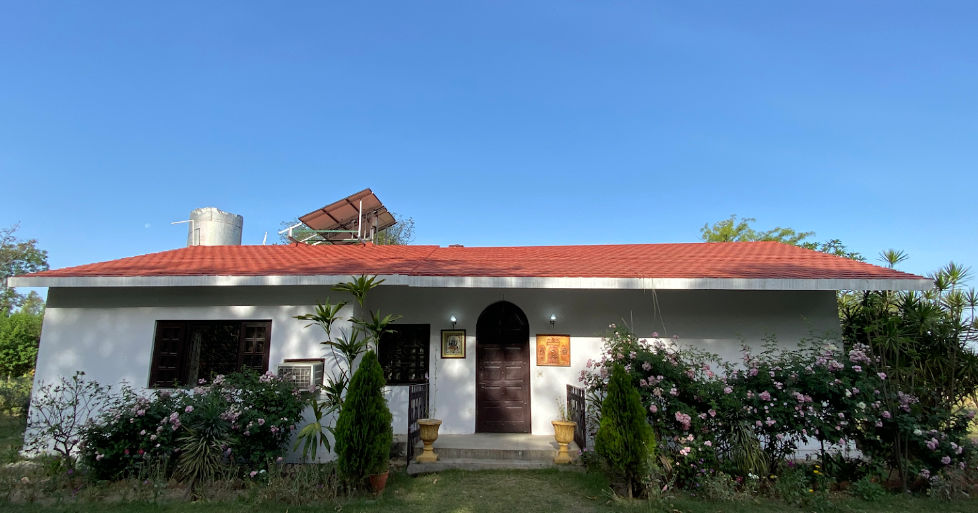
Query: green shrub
(793,486)
(15,395)
(719,487)
(625,439)
(248,417)
(132,434)
(683,397)
(363,429)
(867,489)
(750,419)
(804,486)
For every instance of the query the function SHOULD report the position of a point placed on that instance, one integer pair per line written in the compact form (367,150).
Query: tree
(834,247)
(17,257)
(20,334)
(298,233)
(363,429)
(733,229)
(625,439)
(740,230)
(923,346)
(400,234)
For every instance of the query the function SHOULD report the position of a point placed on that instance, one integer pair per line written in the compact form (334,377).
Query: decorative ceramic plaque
(553,350)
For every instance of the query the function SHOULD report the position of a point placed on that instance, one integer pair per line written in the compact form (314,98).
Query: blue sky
(493,123)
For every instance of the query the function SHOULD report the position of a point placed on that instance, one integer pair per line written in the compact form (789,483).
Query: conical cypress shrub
(363,429)
(625,439)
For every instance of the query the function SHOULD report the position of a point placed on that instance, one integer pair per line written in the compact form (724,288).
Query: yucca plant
(201,457)
(892,257)
(746,452)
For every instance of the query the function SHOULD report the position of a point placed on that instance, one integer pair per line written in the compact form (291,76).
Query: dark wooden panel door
(502,370)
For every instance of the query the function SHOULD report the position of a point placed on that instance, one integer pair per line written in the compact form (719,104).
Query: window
(404,354)
(185,351)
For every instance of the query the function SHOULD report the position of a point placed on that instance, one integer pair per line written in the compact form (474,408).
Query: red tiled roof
(748,260)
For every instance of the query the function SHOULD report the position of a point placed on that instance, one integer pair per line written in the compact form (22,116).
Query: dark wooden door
(502,360)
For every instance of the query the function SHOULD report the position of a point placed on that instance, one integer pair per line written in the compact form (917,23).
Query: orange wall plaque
(553,350)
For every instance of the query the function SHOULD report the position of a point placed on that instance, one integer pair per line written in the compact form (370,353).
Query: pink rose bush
(137,431)
(818,392)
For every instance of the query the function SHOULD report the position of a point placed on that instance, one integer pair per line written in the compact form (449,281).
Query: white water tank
(210,226)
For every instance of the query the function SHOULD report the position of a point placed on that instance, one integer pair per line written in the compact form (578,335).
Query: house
(139,319)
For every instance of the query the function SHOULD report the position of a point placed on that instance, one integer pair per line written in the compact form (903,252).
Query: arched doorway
(502,360)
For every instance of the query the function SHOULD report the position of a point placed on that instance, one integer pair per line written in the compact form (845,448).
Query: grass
(450,492)
(492,492)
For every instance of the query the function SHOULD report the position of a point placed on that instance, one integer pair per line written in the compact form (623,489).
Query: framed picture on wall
(553,350)
(453,343)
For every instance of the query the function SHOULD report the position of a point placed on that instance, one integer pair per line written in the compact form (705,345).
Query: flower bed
(252,416)
(710,416)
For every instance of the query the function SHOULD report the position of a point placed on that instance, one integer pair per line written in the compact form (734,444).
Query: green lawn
(448,492)
(491,492)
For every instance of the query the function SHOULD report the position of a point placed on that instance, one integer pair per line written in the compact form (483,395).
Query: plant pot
(564,434)
(378,481)
(429,433)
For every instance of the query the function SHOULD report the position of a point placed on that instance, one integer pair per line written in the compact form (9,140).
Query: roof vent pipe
(210,226)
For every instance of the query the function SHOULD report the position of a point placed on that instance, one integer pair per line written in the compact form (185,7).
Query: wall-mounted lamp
(452,320)
(553,320)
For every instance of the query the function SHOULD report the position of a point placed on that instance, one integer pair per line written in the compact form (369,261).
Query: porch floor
(483,451)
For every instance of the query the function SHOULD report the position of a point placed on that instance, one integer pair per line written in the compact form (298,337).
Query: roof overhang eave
(483,282)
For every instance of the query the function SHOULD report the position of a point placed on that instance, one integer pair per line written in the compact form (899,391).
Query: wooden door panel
(514,354)
(504,393)
(513,373)
(493,353)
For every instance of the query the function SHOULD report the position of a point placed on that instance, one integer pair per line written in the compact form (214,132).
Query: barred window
(185,351)
(404,354)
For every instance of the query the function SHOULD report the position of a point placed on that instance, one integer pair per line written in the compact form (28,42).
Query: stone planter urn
(429,433)
(564,434)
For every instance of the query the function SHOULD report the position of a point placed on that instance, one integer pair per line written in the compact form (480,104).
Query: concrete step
(485,464)
(455,453)
(492,451)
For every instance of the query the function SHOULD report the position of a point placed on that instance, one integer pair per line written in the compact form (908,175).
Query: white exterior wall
(717,321)
(109,332)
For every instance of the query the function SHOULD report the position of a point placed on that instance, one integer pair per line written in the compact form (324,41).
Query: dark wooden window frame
(170,343)
(424,343)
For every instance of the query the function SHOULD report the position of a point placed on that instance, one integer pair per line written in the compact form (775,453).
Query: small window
(404,354)
(185,351)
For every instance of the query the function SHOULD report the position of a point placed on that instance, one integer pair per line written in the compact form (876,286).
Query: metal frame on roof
(351,220)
